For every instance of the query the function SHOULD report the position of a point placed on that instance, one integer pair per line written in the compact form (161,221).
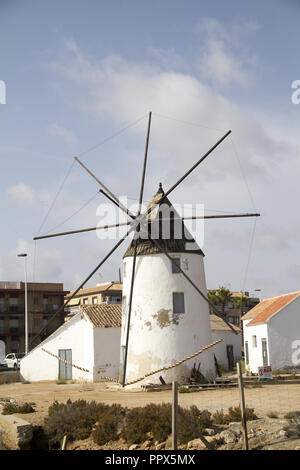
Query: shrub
(150,418)
(11,408)
(77,419)
(292,415)
(233,415)
(157,419)
(191,423)
(272,414)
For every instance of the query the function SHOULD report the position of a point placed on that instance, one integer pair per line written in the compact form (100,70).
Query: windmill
(142,225)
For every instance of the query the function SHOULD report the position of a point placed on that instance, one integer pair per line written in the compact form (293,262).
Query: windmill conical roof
(162,214)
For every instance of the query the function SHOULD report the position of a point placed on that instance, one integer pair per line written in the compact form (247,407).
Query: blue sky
(77,72)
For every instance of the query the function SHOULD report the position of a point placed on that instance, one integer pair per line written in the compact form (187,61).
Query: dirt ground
(280,398)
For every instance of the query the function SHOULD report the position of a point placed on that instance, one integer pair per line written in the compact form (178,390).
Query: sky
(81,78)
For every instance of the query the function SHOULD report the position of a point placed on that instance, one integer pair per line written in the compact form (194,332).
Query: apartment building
(105,293)
(44,299)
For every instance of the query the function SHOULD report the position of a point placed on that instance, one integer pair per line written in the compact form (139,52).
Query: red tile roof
(262,312)
(104,315)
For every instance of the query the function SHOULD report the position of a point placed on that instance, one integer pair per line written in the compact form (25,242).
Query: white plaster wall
(75,334)
(255,354)
(284,331)
(229,338)
(157,336)
(107,352)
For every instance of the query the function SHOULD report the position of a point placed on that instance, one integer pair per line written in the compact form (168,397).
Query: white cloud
(59,131)
(22,195)
(223,59)
(221,66)
(120,90)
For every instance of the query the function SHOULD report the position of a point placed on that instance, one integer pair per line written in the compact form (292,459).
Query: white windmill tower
(161,332)
(169,320)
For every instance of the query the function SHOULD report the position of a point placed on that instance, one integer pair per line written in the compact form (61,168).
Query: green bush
(233,415)
(77,419)
(12,408)
(157,419)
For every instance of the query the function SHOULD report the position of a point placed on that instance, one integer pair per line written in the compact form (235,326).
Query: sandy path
(280,398)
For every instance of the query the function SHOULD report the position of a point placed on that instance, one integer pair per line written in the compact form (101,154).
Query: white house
(229,351)
(272,333)
(169,319)
(86,347)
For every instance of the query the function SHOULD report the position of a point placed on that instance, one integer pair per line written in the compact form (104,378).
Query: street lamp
(24,255)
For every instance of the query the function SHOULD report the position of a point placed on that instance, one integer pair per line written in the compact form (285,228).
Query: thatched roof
(165,225)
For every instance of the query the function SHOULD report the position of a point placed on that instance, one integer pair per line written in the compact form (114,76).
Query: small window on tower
(176,265)
(178,302)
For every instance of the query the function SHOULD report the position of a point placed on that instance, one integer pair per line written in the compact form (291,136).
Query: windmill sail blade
(123,224)
(135,250)
(103,186)
(61,308)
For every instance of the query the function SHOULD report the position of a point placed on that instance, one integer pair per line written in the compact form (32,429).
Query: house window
(246,352)
(85,301)
(94,300)
(176,265)
(178,302)
(254,341)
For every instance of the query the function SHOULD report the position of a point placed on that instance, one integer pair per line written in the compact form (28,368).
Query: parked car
(12,360)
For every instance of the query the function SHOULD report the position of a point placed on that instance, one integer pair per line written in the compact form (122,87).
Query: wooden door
(65,369)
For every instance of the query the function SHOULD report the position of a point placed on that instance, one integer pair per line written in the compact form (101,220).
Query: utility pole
(24,255)
(243,408)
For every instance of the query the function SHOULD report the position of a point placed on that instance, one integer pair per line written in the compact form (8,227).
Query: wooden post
(243,410)
(64,442)
(174,414)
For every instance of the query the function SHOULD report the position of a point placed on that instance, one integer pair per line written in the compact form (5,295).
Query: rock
(146,445)
(160,446)
(16,432)
(228,436)
(209,432)
(133,447)
(168,443)
(283,433)
(196,444)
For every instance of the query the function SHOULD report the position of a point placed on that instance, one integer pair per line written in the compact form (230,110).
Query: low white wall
(107,352)
(75,334)
(220,351)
